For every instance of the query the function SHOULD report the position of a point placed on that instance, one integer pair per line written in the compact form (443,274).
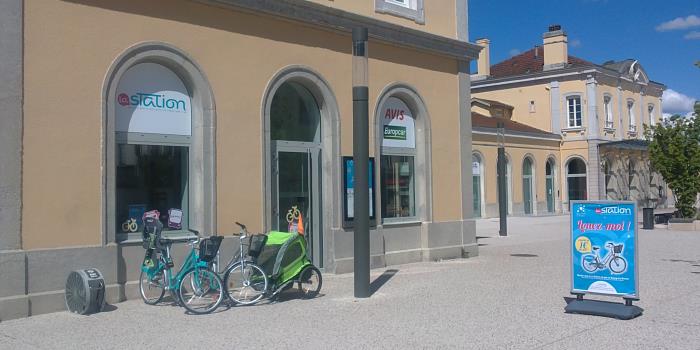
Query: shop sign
(604,248)
(152,99)
(398,124)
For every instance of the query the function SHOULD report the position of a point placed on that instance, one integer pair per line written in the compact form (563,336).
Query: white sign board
(476,168)
(152,99)
(398,125)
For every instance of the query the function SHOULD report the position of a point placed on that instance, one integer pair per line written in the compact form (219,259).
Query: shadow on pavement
(381,280)
(109,308)
(525,255)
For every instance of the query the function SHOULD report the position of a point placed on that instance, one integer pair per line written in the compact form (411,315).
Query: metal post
(502,190)
(360,153)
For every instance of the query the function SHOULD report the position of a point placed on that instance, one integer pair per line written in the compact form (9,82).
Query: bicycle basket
(209,247)
(152,229)
(617,249)
(256,244)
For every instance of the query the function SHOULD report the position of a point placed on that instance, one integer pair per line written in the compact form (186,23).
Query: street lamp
(360,153)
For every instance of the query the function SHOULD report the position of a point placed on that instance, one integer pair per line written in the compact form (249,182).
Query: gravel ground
(511,296)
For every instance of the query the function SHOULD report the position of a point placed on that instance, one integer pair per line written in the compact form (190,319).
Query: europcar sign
(604,248)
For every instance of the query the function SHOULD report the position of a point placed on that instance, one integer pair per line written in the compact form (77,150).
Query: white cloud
(679,23)
(575,43)
(676,103)
(692,35)
(514,52)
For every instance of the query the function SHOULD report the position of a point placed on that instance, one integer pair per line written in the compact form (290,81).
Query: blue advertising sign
(349,191)
(604,248)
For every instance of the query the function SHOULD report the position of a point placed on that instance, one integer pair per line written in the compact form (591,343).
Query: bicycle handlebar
(196,233)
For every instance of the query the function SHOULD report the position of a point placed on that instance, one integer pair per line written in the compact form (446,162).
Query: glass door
(296,186)
(549,184)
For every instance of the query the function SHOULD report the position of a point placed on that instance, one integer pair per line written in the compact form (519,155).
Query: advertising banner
(349,191)
(604,248)
(398,126)
(152,99)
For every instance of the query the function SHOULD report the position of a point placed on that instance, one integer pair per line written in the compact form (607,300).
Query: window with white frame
(630,112)
(153,130)
(397,162)
(607,100)
(652,117)
(411,9)
(573,104)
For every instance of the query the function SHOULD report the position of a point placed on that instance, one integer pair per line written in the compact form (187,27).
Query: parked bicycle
(195,287)
(612,260)
(244,280)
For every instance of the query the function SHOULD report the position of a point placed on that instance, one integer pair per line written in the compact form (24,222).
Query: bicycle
(194,286)
(613,261)
(245,282)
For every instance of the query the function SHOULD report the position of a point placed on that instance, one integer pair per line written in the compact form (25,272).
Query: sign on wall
(398,125)
(604,248)
(152,99)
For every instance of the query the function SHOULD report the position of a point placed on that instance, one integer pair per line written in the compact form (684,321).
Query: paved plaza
(511,296)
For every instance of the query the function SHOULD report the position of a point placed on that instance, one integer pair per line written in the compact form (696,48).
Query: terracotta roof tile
(530,61)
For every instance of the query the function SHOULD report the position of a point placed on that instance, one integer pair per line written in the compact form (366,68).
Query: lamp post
(502,194)
(360,153)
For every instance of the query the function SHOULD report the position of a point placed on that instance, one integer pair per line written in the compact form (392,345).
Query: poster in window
(398,125)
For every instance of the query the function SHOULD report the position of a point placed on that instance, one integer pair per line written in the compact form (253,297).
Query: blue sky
(663,35)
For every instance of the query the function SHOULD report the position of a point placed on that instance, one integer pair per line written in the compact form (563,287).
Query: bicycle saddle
(596,248)
(166,241)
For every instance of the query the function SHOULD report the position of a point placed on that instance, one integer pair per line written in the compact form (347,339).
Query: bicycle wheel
(246,283)
(152,288)
(589,263)
(617,265)
(310,282)
(200,291)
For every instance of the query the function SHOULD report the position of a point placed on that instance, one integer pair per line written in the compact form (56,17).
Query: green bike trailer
(283,256)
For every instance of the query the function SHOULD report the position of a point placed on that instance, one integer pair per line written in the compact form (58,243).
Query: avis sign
(398,124)
(604,248)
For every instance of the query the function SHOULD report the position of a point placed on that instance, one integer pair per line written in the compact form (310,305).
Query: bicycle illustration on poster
(604,249)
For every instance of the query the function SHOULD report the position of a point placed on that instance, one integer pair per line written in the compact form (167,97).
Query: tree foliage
(674,151)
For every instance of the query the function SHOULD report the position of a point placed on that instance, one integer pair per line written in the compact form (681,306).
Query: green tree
(674,151)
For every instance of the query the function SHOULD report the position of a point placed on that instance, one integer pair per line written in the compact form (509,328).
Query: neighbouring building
(572,130)
(216,111)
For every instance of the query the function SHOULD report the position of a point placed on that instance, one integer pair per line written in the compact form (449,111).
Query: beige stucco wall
(70,46)
(516,150)
(440,16)
(519,97)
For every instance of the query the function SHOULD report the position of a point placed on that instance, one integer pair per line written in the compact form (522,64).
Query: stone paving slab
(510,297)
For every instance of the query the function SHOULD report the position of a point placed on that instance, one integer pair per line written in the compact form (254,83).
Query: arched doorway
(477,184)
(528,186)
(300,117)
(576,179)
(509,184)
(549,184)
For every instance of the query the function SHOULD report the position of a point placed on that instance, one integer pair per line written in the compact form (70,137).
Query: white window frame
(632,117)
(607,106)
(411,9)
(572,118)
(651,109)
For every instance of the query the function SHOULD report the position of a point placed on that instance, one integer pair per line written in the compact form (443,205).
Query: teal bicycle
(195,287)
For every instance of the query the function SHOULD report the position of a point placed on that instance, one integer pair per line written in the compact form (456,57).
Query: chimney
(483,67)
(555,48)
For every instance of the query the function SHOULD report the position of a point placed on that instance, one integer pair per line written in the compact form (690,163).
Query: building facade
(595,112)
(220,111)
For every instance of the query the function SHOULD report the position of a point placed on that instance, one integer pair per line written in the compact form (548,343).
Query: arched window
(153,129)
(549,185)
(528,186)
(576,179)
(398,160)
(295,115)
(477,184)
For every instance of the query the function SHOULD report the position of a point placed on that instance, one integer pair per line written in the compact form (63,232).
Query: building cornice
(512,133)
(338,20)
(584,71)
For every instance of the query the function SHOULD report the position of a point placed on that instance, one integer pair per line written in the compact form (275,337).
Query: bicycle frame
(191,261)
